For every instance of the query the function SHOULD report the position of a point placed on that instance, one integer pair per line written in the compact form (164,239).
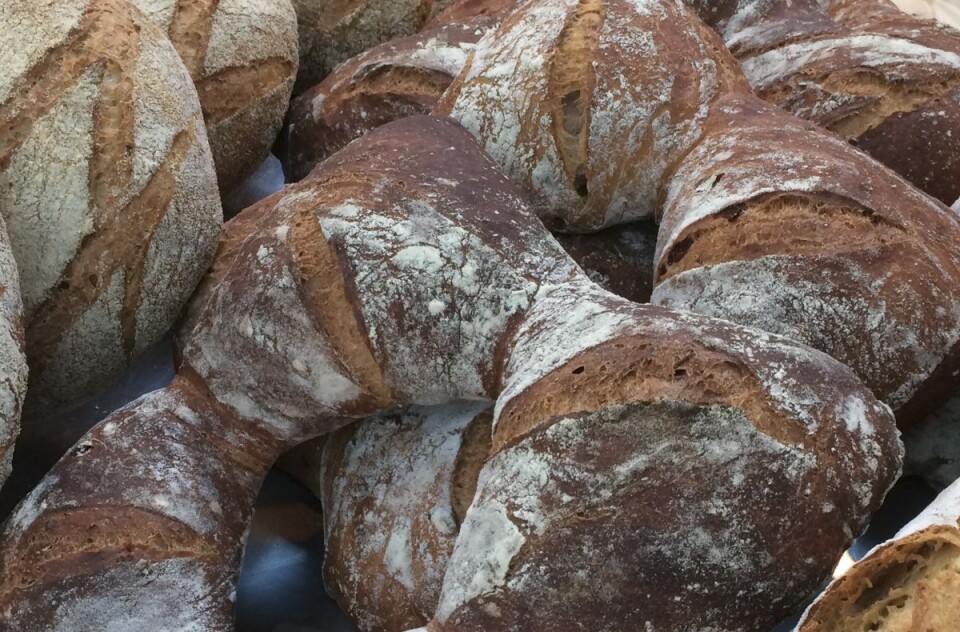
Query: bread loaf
(909,583)
(402,77)
(13,363)
(770,223)
(333,32)
(679,134)
(406,270)
(395,488)
(106,186)
(588,139)
(242,56)
(885,81)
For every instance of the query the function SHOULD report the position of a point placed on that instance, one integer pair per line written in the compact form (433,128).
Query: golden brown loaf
(908,584)
(242,56)
(107,187)
(406,269)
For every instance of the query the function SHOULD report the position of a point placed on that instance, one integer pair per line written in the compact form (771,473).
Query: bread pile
(582,332)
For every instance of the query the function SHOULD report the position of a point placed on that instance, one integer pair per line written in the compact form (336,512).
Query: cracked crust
(884,80)
(908,583)
(588,139)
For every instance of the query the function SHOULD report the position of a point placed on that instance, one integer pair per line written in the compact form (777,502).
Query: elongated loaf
(107,187)
(406,270)
(242,56)
(678,134)
(399,78)
(908,583)
(885,81)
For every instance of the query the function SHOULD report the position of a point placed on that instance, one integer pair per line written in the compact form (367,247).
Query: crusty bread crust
(390,509)
(908,583)
(886,81)
(432,266)
(402,77)
(765,199)
(108,188)
(242,56)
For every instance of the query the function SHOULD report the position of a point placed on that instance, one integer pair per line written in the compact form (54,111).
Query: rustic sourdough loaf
(106,186)
(242,56)
(909,583)
(13,363)
(407,270)
(885,81)
(754,205)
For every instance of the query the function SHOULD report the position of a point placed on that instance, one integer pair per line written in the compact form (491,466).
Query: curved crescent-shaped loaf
(13,363)
(395,488)
(402,77)
(332,32)
(587,138)
(910,582)
(887,82)
(772,223)
(106,185)
(406,270)
(242,56)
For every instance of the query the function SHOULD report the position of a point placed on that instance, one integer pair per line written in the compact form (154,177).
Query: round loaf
(587,138)
(106,185)
(242,56)
(333,32)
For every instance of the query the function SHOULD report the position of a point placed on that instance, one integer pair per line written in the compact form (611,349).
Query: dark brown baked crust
(399,78)
(887,82)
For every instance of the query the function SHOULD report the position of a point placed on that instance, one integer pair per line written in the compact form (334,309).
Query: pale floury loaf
(106,184)
(242,56)
(13,363)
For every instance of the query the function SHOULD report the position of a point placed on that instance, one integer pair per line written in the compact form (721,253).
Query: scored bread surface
(106,185)
(242,56)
